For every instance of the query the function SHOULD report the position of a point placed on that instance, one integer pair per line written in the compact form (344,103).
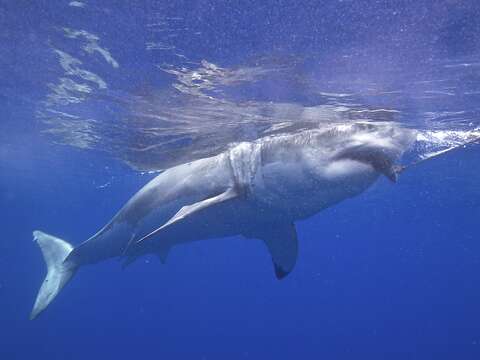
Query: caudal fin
(54,251)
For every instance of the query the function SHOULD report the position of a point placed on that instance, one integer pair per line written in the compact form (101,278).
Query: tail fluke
(54,251)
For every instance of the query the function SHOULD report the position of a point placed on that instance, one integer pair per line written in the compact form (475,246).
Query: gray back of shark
(256,190)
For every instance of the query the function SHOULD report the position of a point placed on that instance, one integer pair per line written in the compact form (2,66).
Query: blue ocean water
(97,96)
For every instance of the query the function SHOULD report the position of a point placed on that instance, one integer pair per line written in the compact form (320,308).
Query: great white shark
(255,189)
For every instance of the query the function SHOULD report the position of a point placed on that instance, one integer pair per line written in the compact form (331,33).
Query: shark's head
(380,159)
(377,145)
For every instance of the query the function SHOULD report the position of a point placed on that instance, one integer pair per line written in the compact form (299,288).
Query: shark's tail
(59,271)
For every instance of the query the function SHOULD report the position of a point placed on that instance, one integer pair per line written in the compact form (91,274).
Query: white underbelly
(300,194)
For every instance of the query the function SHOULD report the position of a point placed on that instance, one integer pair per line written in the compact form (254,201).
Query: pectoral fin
(189,210)
(282,243)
